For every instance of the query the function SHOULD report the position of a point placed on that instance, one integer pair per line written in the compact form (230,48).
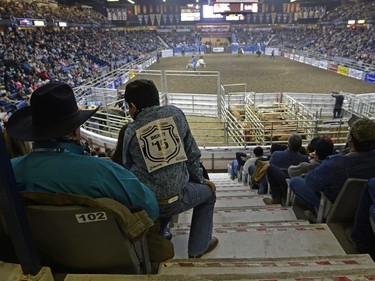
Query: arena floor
(262,75)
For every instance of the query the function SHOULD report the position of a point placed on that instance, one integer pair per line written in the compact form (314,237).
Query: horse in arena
(200,64)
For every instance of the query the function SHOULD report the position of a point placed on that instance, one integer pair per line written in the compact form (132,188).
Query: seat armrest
(325,206)
(289,193)
(372,217)
(239,174)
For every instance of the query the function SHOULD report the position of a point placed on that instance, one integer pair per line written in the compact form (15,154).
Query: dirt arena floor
(261,75)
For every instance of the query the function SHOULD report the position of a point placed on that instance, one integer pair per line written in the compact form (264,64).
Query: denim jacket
(169,180)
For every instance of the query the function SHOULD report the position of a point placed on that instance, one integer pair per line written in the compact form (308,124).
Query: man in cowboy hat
(57,162)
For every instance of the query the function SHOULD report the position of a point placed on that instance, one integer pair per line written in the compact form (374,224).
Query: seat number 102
(91,217)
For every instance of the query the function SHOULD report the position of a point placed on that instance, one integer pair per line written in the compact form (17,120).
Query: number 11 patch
(160,144)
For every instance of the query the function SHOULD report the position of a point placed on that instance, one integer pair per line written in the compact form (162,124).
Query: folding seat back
(344,208)
(7,251)
(82,235)
(372,217)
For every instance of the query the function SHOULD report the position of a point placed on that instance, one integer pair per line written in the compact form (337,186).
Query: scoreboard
(235,8)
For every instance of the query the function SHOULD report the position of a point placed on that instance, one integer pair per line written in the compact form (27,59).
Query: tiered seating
(257,242)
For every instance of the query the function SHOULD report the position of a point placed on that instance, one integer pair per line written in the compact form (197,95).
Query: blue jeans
(202,199)
(277,180)
(362,233)
(307,196)
(263,186)
(234,168)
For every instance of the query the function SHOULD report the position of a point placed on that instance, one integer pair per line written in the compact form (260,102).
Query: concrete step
(230,185)
(235,192)
(270,268)
(265,241)
(246,214)
(232,200)
(337,276)
(13,272)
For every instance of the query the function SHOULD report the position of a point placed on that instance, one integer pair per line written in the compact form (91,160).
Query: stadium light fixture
(131,1)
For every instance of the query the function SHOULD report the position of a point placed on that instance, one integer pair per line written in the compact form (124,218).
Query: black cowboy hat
(53,113)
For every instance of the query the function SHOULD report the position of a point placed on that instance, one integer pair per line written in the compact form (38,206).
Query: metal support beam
(15,216)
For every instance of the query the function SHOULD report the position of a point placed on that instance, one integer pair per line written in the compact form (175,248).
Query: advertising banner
(315,62)
(343,70)
(323,64)
(358,74)
(370,77)
(332,67)
(308,61)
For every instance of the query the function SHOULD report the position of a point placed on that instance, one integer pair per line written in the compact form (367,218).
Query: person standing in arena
(273,54)
(339,100)
(194,62)
(161,151)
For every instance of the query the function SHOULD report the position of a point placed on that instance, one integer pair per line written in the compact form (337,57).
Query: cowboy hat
(53,113)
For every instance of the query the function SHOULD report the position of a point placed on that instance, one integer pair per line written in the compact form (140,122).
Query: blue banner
(370,77)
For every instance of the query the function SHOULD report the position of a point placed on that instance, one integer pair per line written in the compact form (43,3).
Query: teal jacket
(61,167)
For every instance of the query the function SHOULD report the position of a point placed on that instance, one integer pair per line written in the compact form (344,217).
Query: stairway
(259,241)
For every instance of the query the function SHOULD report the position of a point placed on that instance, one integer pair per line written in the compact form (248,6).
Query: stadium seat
(372,217)
(7,251)
(77,234)
(289,194)
(340,215)
(344,208)
(239,174)
(245,178)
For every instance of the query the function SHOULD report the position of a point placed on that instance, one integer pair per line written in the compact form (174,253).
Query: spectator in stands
(331,174)
(14,147)
(161,151)
(239,162)
(258,152)
(362,233)
(277,170)
(117,154)
(253,169)
(339,97)
(276,147)
(57,162)
(322,149)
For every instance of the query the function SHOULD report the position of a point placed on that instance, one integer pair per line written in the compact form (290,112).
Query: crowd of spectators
(353,43)
(31,57)
(49,12)
(174,38)
(352,10)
